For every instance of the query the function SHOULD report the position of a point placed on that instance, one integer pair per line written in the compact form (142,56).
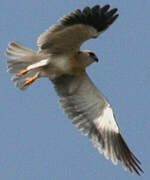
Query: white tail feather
(15,51)
(21,58)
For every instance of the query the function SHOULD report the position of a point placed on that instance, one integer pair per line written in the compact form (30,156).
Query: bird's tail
(21,58)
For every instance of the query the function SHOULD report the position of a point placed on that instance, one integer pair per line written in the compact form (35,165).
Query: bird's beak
(96,59)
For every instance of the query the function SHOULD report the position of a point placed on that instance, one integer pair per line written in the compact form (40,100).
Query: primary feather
(75,28)
(60,59)
(92,114)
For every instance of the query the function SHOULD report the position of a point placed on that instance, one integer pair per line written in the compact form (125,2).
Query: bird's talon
(23,72)
(30,80)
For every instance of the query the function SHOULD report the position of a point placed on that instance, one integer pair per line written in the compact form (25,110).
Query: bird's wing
(91,113)
(75,28)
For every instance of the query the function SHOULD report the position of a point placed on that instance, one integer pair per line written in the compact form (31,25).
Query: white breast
(62,63)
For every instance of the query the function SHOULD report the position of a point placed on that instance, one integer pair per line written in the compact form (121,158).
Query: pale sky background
(37,141)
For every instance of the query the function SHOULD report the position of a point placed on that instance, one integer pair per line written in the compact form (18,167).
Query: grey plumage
(75,28)
(84,104)
(60,59)
(97,17)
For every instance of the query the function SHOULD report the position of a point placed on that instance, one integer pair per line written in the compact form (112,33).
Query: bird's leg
(23,72)
(30,80)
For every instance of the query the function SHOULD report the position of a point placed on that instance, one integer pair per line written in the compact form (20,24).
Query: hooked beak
(97,60)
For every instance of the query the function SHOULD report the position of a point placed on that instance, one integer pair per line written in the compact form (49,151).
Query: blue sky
(37,140)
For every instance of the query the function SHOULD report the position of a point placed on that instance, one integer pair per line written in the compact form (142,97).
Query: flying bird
(60,59)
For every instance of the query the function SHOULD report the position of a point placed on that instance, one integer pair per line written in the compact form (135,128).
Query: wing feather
(92,115)
(75,28)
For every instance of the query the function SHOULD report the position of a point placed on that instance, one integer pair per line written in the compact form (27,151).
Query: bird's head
(86,57)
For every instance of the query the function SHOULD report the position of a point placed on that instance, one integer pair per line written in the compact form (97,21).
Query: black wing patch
(97,17)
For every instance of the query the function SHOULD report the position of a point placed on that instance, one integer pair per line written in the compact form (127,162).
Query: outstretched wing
(91,113)
(75,28)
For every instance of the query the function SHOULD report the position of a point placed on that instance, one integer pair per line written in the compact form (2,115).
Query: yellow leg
(30,80)
(23,72)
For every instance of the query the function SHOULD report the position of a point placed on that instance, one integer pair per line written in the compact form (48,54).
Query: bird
(60,59)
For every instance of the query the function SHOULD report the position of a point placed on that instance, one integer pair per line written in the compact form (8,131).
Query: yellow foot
(23,72)
(30,80)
